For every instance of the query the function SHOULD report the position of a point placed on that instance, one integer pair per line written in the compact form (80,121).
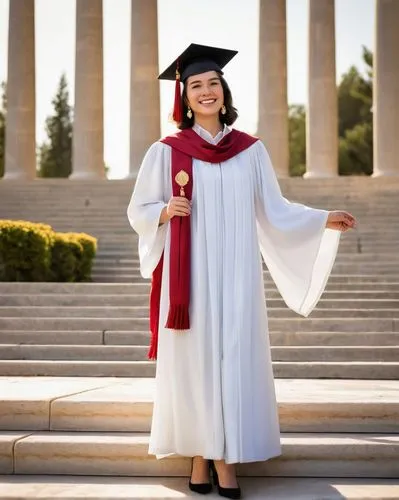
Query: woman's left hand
(340,221)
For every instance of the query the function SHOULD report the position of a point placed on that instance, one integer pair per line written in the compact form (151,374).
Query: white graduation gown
(215,394)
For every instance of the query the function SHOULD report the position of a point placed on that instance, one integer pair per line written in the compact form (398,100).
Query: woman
(205,201)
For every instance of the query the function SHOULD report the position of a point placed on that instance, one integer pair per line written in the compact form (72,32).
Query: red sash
(186,145)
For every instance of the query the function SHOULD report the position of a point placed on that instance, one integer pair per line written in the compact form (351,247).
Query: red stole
(186,145)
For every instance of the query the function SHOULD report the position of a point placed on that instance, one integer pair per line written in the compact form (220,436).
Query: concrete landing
(113,404)
(119,488)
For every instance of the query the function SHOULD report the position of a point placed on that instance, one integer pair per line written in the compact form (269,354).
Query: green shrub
(25,251)
(89,249)
(34,252)
(65,255)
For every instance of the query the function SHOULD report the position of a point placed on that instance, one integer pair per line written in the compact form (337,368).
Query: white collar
(204,134)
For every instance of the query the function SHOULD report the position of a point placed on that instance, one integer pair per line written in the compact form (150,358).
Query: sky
(231,24)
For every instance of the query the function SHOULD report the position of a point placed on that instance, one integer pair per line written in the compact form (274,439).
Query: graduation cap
(196,59)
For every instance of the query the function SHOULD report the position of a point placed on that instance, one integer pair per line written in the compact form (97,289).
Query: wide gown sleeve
(150,195)
(297,248)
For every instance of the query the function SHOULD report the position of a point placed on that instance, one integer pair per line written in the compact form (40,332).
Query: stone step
(365,370)
(118,222)
(125,488)
(334,278)
(46,303)
(125,454)
(125,279)
(118,204)
(109,404)
(70,352)
(339,339)
(367,243)
(362,239)
(55,368)
(128,257)
(384,284)
(138,312)
(347,258)
(293,324)
(118,201)
(329,299)
(348,188)
(373,214)
(104,258)
(119,227)
(105,249)
(331,287)
(333,338)
(363,268)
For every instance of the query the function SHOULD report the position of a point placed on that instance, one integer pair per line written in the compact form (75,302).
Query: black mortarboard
(196,59)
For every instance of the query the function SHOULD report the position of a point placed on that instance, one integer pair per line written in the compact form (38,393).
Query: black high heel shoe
(223,492)
(201,488)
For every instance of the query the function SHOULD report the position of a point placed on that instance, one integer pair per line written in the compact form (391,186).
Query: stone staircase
(88,413)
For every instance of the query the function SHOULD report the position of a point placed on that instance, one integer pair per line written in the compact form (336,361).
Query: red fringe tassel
(178,317)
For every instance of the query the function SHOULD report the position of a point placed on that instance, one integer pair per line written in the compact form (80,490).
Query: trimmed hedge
(88,246)
(35,252)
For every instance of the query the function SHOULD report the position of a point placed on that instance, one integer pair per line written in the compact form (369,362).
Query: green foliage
(88,245)
(25,251)
(350,107)
(55,156)
(34,252)
(355,97)
(65,255)
(297,139)
(356,151)
(3,127)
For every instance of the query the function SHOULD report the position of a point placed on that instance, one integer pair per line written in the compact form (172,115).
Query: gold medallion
(182,179)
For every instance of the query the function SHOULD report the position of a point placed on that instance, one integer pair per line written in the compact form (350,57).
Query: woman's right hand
(177,205)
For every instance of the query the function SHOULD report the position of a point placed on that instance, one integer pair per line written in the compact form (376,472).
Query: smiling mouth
(207,101)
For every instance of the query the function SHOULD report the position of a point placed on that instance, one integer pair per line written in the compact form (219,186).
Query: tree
(297,139)
(355,95)
(55,156)
(350,107)
(3,127)
(355,98)
(356,150)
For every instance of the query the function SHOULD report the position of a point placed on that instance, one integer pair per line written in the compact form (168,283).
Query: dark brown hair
(231,112)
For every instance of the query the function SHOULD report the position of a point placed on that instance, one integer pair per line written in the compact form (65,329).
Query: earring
(189,113)
(223,110)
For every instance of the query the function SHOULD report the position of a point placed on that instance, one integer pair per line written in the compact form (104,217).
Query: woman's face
(205,93)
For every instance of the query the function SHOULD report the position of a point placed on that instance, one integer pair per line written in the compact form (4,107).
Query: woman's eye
(214,83)
(195,87)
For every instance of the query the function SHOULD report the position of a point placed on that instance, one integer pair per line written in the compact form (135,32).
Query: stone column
(386,89)
(273,107)
(88,129)
(144,86)
(322,113)
(20,155)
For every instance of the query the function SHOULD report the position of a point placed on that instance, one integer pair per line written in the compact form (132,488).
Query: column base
(17,176)
(385,174)
(132,176)
(319,175)
(87,176)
